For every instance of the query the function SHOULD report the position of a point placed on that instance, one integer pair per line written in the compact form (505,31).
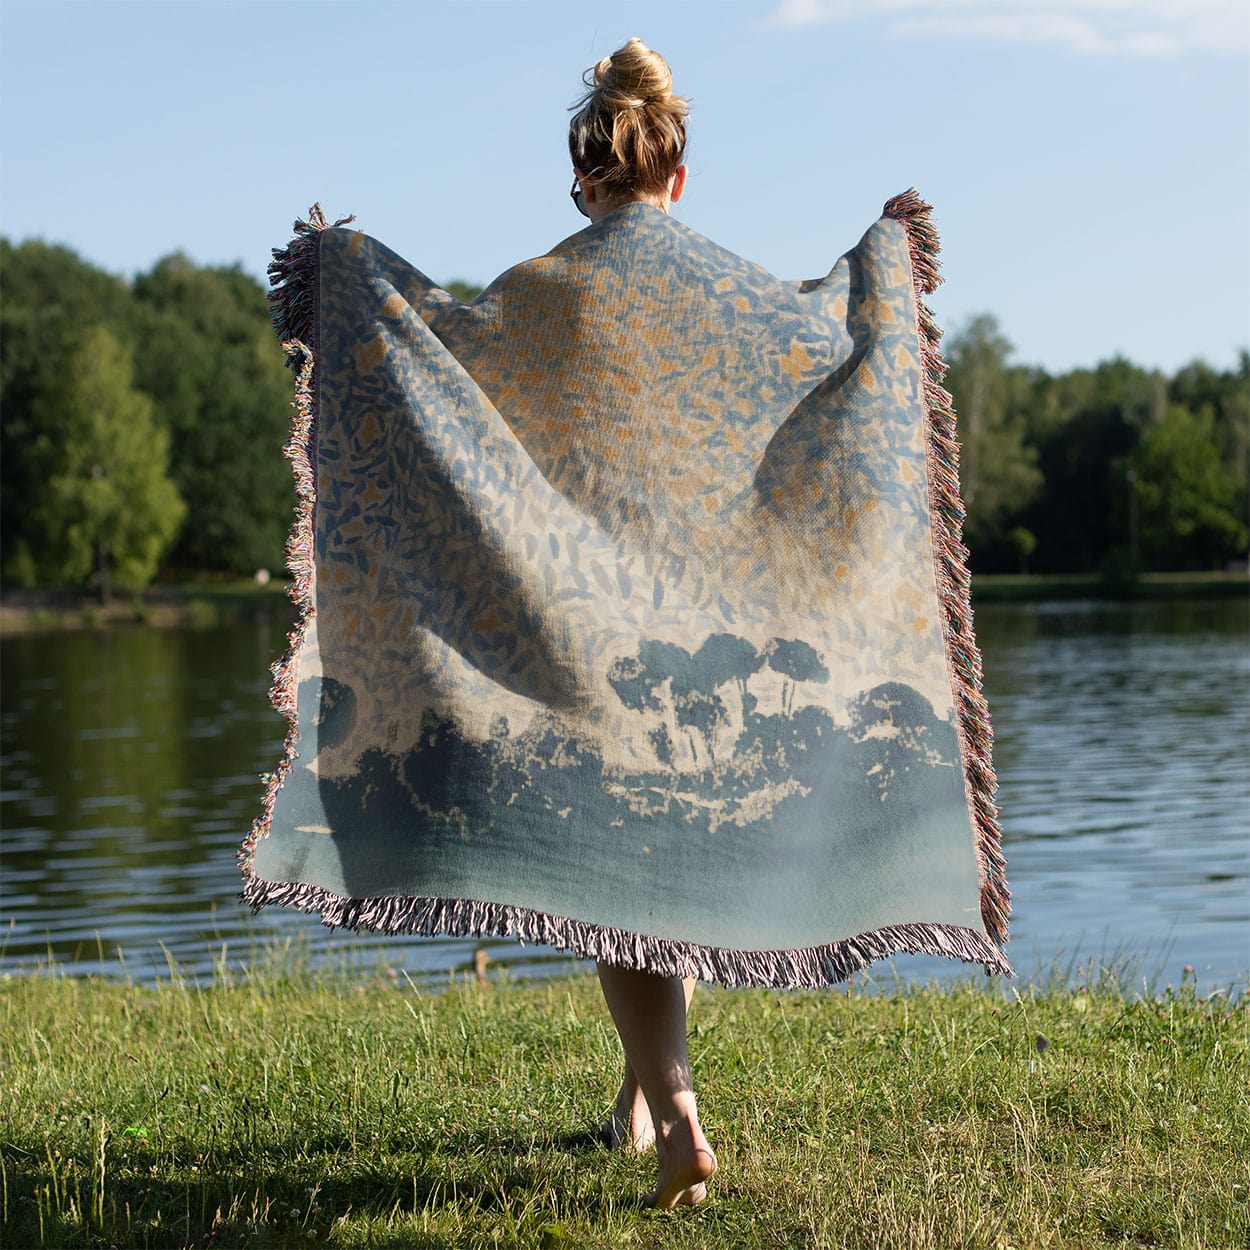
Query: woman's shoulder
(640,239)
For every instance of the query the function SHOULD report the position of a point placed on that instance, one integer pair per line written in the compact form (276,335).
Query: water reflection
(1122,733)
(130,762)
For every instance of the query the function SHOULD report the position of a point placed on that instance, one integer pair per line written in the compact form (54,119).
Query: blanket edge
(293,304)
(954,581)
(810,967)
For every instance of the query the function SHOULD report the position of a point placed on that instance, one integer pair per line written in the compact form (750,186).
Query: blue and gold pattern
(630,625)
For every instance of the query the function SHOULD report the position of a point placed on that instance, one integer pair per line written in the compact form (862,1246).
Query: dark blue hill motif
(785,791)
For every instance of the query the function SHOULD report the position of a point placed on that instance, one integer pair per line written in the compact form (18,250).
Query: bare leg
(650,1015)
(629,1125)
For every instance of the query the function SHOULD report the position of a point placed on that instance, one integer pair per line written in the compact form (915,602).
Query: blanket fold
(634,618)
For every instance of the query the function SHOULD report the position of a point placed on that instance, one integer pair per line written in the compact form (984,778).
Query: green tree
(997,467)
(1185,495)
(465,292)
(1222,397)
(208,358)
(1024,543)
(104,503)
(1085,424)
(51,297)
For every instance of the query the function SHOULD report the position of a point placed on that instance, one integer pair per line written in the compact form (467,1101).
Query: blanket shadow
(241,1197)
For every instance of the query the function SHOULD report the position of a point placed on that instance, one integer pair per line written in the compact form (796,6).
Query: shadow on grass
(290,1195)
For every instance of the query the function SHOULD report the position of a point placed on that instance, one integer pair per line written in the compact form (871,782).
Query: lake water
(130,762)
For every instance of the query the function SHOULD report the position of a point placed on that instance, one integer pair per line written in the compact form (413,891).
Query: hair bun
(634,76)
(629,131)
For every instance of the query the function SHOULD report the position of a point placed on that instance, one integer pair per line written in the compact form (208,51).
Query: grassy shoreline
(284,1109)
(162,606)
(213,603)
(1002,587)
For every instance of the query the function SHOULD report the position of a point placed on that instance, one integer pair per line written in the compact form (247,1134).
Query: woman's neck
(601,208)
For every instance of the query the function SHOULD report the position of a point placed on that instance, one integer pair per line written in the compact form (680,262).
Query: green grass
(291,1109)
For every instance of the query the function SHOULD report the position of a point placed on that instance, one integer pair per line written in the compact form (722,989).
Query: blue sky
(1089,160)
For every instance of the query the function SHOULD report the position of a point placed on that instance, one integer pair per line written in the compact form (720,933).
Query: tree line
(142,422)
(1113,470)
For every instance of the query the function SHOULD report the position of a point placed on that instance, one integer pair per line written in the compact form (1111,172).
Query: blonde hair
(629,133)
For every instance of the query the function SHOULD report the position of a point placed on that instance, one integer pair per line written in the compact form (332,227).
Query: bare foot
(629,1126)
(686,1165)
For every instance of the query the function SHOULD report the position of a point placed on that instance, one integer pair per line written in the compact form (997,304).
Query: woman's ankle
(678,1111)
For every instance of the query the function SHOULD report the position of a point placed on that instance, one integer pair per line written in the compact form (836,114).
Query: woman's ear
(588,186)
(678,184)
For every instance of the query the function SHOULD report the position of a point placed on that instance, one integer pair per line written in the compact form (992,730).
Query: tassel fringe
(954,583)
(293,302)
(293,275)
(809,968)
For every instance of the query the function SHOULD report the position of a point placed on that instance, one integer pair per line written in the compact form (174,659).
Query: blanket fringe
(953,579)
(293,281)
(808,968)
(293,304)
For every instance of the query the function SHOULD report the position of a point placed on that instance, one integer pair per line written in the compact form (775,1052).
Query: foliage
(1048,463)
(1024,543)
(277,1109)
(208,356)
(1222,402)
(1186,491)
(104,503)
(998,468)
(51,298)
(465,292)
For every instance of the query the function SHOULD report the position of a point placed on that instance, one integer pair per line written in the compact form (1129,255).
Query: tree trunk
(106,579)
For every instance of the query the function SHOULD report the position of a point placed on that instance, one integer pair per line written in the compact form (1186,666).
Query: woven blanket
(634,617)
